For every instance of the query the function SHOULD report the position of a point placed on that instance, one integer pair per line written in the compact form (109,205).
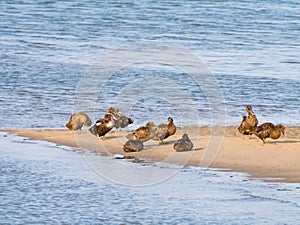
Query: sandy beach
(277,159)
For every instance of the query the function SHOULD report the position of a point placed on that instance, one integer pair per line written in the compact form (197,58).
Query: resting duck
(78,120)
(121,121)
(144,133)
(133,146)
(165,130)
(249,122)
(268,130)
(103,126)
(183,144)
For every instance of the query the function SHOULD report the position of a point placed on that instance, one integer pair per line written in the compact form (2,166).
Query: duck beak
(283,132)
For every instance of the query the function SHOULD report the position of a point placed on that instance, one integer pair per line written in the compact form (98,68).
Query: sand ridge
(277,159)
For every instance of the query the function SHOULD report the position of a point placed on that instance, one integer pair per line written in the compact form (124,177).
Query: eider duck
(268,130)
(183,144)
(103,126)
(133,146)
(249,122)
(144,133)
(78,120)
(121,121)
(165,130)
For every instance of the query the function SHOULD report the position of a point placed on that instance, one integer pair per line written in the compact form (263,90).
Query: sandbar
(278,160)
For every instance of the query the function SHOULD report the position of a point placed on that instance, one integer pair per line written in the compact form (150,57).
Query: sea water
(44,183)
(251,48)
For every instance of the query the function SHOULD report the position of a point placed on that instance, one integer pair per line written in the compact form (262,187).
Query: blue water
(46,47)
(252,47)
(46,184)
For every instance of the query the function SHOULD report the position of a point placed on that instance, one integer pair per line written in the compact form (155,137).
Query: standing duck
(183,144)
(78,120)
(165,130)
(103,126)
(269,130)
(121,121)
(249,122)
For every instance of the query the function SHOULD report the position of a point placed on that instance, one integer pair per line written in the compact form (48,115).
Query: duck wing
(183,145)
(263,131)
(144,133)
(160,132)
(75,122)
(267,126)
(103,129)
(121,120)
(125,121)
(247,126)
(171,130)
(133,146)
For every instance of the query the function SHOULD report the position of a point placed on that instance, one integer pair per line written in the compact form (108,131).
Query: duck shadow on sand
(150,147)
(283,142)
(113,137)
(166,143)
(197,149)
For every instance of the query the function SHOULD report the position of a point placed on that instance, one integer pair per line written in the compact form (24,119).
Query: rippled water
(46,46)
(44,183)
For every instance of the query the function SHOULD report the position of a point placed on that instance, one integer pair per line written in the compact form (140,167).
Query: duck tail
(93,130)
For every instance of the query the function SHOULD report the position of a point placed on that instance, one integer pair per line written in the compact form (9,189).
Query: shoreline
(276,161)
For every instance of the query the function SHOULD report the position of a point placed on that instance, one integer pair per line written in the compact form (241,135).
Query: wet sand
(277,159)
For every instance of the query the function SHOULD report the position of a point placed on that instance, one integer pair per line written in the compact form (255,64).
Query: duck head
(170,120)
(112,110)
(185,137)
(281,128)
(248,108)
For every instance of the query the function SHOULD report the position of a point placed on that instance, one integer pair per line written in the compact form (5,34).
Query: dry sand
(277,159)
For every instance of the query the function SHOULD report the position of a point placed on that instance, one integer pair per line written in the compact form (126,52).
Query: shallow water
(252,48)
(47,46)
(44,183)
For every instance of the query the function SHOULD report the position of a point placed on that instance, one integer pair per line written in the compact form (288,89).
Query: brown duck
(78,120)
(144,133)
(249,122)
(103,126)
(165,130)
(121,121)
(183,144)
(268,130)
